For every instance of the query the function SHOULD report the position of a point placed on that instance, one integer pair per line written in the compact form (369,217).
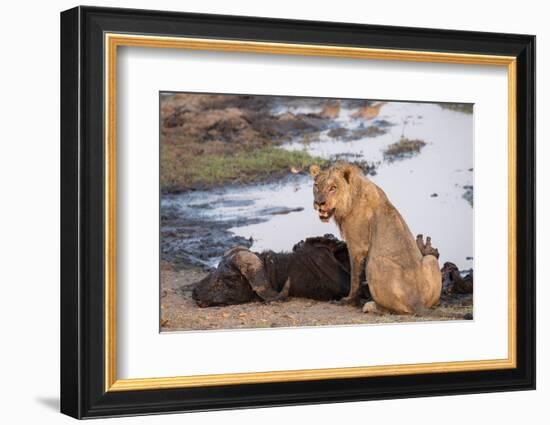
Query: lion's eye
(332,188)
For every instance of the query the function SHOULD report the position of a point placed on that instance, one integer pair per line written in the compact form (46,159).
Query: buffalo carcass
(317,268)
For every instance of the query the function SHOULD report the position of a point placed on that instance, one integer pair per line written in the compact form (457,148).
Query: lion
(402,274)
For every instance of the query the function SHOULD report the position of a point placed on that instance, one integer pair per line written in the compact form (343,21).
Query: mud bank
(211,140)
(198,227)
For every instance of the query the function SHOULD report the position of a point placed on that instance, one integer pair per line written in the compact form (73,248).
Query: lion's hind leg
(390,286)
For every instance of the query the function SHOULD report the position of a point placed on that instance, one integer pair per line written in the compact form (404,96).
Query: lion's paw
(369,307)
(373,308)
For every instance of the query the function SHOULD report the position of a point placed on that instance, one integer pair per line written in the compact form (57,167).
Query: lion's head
(331,190)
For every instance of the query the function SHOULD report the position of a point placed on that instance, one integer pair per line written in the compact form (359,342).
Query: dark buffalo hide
(317,268)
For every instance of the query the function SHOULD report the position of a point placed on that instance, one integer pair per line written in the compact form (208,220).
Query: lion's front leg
(357,264)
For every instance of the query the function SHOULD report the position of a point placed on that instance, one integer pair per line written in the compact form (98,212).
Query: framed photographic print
(261,212)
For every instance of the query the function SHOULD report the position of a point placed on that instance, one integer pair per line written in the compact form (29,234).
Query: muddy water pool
(427,188)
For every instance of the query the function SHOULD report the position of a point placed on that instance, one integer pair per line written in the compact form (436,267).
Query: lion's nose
(319,204)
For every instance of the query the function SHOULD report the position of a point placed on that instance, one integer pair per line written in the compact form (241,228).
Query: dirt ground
(179,312)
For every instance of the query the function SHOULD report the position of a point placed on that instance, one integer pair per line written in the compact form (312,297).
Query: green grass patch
(179,173)
(405,148)
(466,108)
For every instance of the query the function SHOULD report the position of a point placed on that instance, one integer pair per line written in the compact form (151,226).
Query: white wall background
(29,217)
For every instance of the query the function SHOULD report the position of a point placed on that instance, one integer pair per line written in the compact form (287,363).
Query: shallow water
(443,167)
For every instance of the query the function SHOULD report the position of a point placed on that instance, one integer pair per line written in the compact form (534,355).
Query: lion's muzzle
(324,213)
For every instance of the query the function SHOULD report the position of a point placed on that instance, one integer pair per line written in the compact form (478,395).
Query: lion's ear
(347,172)
(314,170)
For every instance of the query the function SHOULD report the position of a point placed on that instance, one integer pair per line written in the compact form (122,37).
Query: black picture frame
(83,392)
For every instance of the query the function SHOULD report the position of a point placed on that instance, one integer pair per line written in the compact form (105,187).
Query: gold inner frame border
(113,40)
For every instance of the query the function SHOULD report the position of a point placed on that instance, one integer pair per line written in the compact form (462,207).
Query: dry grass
(403,149)
(466,108)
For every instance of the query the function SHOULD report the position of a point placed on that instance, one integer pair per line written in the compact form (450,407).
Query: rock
(469,194)
(383,123)
(279,210)
(338,133)
(331,109)
(370,131)
(369,112)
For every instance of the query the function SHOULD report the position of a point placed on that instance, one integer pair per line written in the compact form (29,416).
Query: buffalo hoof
(426,248)
(354,301)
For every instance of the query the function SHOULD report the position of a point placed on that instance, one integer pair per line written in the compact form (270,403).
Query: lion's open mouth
(325,215)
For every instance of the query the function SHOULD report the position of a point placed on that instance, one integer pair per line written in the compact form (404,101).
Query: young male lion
(400,277)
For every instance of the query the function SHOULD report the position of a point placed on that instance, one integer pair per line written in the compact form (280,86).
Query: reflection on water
(427,189)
